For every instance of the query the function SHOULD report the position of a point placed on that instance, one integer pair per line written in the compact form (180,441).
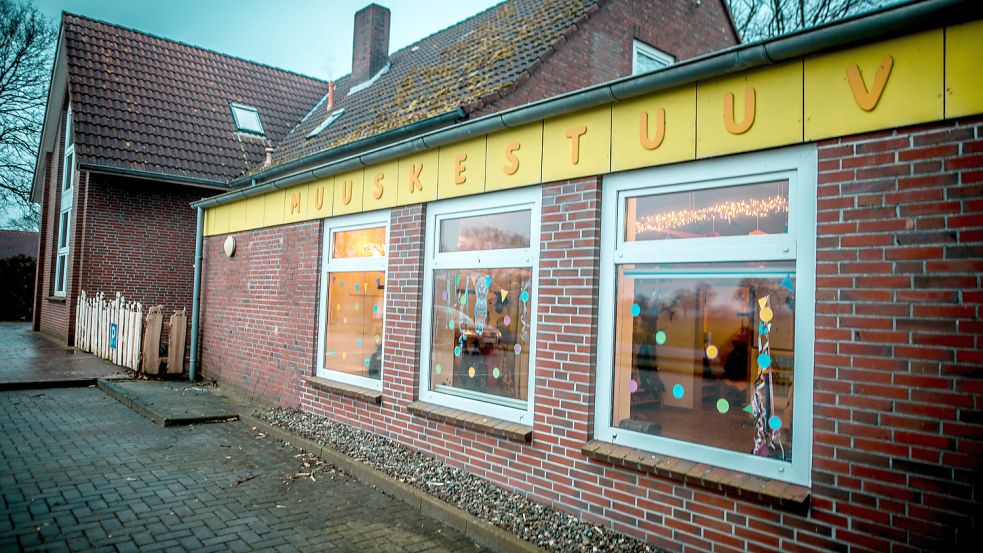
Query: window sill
(471,421)
(347,390)
(56,299)
(715,478)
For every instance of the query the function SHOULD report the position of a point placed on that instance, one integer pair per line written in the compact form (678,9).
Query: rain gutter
(196,295)
(894,21)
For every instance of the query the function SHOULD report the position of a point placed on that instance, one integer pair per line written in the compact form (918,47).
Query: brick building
(149,125)
(729,305)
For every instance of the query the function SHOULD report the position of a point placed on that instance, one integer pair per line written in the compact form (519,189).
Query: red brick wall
(140,240)
(259,311)
(898,432)
(601,50)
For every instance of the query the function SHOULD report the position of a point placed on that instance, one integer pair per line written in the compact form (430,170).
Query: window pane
(480,335)
(749,209)
(498,231)
(68,171)
(61,264)
(705,354)
(645,63)
(369,242)
(247,119)
(63,230)
(353,341)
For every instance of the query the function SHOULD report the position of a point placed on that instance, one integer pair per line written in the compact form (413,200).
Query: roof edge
(151,175)
(892,21)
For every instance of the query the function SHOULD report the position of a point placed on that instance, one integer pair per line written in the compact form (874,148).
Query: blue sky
(313,37)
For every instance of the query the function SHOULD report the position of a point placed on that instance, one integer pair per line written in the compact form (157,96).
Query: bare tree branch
(762,19)
(27,41)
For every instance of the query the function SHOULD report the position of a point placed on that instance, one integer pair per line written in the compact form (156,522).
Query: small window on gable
(647,58)
(326,123)
(247,119)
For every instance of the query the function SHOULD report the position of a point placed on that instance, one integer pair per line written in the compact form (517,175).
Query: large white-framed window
(707,302)
(647,58)
(479,298)
(353,304)
(67,193)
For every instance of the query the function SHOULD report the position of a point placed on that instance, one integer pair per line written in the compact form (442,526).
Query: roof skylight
(324,124)
(247,119)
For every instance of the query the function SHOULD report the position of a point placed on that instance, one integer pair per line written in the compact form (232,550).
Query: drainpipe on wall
(196,296)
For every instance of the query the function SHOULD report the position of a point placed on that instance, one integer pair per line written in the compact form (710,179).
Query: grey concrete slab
(170,403)
(33,360)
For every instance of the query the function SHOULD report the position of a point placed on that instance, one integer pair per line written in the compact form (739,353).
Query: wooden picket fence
(111,329)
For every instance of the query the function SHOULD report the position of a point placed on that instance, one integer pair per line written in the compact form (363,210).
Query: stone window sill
(471,421)
(714,478)
(347,390)
(56,299)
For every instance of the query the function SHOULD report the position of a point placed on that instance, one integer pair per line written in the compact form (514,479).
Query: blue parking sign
(112,335)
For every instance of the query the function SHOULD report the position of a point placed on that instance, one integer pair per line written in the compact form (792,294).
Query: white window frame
(239,124)
(66,187)
(352,264)
(640,48)
(484,204)
(798,165)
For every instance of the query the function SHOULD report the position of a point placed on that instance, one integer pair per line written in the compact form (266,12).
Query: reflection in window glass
(63,229)
(498,231)
(353,340)
(369,242)
(704,354)
(751,209)
(480,334)
(60,273)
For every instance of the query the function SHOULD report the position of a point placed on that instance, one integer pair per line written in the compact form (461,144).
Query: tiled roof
(465,65)
(145,103)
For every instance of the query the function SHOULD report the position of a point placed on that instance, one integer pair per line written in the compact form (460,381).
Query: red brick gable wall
(602,49)
(897,431)
(52,317)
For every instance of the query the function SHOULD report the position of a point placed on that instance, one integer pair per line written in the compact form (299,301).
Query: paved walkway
(31,360)
(81,472)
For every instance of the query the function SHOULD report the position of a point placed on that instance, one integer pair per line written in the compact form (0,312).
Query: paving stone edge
(481,531)
(133,402)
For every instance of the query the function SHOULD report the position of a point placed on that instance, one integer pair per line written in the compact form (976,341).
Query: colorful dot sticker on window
(764,360)
(632,386)
(636,310)
(660,337)
(368,361)
(677,391)
(723,405)
(450,325)
(337,307)
(471,372)
(496,373)
(375,308)
(331,353)
(378,339)
(767,314)
(518,349)
(774,422)
(359,342)
(457,351)
(356,287)
(524,296)
(356,306)
(437,368)
(488,280)
(712,352)
(344,355)
(762,329)
(507,320)
(787,283)
(341,284)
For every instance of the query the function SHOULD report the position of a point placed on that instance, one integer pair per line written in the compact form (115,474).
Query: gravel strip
(539,524)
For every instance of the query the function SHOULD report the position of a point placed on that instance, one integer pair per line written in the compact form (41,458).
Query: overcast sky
(313,37)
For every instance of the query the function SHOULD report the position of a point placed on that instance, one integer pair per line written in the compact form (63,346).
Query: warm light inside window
(368,242)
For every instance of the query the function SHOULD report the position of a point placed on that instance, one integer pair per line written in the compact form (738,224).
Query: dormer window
(647,58)
(247,119)
(326,123)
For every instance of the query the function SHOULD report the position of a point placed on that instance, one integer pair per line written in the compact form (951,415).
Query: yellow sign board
(963,77)
(515,158)
(577,145)
(654,129)
(461,169)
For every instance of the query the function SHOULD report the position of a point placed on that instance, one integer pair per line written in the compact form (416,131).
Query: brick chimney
(370,48)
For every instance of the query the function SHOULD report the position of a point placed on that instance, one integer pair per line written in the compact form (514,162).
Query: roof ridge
(193,46)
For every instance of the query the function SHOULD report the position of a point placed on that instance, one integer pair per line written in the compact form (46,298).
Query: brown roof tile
(145,103)
(464,65)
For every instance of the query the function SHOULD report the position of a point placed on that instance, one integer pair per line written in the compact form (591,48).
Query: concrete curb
(481,531)
(133,402)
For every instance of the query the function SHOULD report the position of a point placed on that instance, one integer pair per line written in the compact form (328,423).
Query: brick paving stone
(81,472)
